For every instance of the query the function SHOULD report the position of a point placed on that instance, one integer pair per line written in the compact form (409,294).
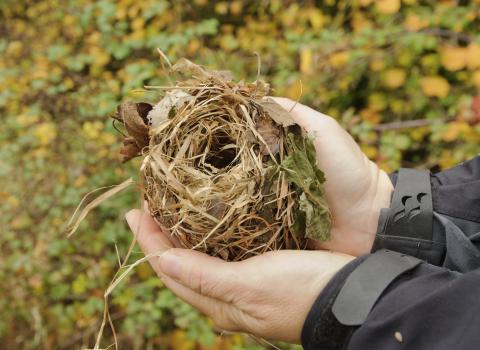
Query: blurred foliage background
(402,76)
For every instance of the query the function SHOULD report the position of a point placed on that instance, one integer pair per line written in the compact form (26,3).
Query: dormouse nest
(225,169)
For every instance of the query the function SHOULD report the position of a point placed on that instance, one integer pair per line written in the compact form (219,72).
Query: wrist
(382,199)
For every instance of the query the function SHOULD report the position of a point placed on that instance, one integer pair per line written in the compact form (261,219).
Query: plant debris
(225,169)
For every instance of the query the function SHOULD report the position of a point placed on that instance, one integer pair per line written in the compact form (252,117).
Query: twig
(404,124)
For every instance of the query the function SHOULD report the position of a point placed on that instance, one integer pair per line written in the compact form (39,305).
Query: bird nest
(225,170)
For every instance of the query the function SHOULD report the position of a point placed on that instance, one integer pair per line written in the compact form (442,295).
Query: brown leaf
(270,133)
(276,112)
(129,113)
(129,149)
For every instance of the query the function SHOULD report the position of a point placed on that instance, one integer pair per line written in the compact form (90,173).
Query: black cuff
(321,329)
(348,298)
(407,226)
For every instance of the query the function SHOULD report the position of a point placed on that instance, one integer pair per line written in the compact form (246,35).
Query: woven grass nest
(225,169)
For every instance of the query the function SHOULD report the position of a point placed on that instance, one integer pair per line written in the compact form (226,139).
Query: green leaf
(312,217)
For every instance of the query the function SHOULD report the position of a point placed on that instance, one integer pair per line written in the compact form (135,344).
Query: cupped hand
(356,188)
(268,295)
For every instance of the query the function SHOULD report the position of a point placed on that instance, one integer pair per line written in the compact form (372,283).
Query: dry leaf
(271,134)
(188,67)
(129,113)
(134,117)
(276,112)
(173,99)
(129,149)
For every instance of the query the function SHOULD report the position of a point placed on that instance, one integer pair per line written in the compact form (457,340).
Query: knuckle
(222,318)
(199,283)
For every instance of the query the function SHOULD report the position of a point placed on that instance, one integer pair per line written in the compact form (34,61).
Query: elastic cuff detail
(321,329)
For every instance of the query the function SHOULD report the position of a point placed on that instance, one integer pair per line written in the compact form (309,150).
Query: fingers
(151,238)
(205,275)
(217,310)
(148,234)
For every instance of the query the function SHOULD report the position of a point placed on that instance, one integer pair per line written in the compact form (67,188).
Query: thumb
(206,275)
(308,118)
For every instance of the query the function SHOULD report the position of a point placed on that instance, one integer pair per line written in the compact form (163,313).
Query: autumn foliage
(403,77)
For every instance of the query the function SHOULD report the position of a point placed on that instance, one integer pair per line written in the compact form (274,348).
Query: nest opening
(221,151)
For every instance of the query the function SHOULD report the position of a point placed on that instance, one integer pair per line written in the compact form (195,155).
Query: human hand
(268,295)
(356,188)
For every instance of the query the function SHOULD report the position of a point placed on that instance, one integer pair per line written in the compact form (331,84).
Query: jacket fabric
(435,305)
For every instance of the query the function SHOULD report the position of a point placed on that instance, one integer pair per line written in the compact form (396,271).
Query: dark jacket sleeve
(429,306)
(452,237)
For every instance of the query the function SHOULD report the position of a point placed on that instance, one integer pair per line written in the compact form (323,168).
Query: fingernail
(170,264)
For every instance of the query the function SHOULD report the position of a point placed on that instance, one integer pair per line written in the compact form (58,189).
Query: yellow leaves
(121,12)
(455,58)
(293,90)
(370,151)
(455,130)
(94,39)
(415,23)
(79,285)
(473,56)
(447,160)
(221,8)
(41,68)
(339,59)
(290,16)
(80,181)
(9,199)
(435,86)
(180,341)
(69,20)
(377,64)
(387,7)
(370,115)
(306,60)
(236,7)
(394,78)
(45,133)
(91,130)
(377,101)
(108,139)
(365,2)
(14,48)
(25,120)
(476,78)
(359,22)
(138,23)
(193,46)
(228,42)
(418,133)
(317,18)
(101,56)
(144,271)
